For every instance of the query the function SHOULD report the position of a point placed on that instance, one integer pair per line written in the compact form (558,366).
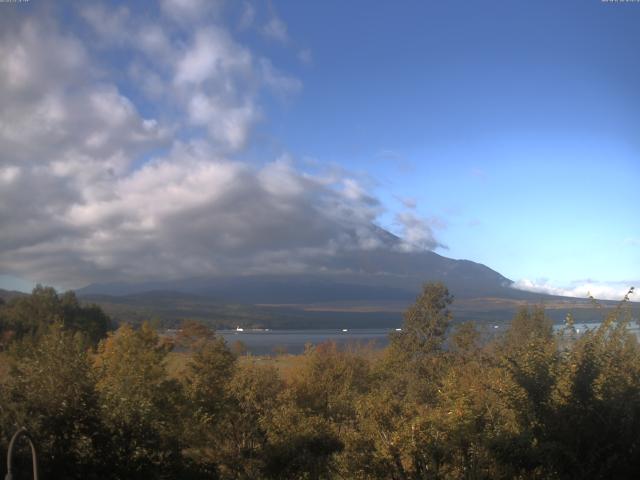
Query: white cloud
(276,80)
(198,68)
(579,289)
(212,54)
(227,124)
(62,129)
(191,213)
(118,27)
(152,40)
(111,24)
(95,190)
(9,174)
(219,82)
(416,233)
(27,64)
(276,29)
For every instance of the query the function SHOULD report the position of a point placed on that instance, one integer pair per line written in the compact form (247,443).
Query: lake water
(266,342)
(583,327)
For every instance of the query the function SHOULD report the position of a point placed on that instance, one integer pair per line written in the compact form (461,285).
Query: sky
(181,138)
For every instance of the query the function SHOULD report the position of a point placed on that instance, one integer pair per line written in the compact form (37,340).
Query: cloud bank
(580,289)
(118,154)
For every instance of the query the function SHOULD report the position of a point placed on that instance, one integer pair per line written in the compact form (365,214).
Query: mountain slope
(388,276)
(382,286)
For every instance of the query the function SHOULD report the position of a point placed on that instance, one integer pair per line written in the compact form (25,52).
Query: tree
(192,333)
(425,322)
(308,429)
(242,446)
(51,391)
(31,315)
(207,401)
(414,361)
(208,373)
(88,319)
(140,405)
(596,422)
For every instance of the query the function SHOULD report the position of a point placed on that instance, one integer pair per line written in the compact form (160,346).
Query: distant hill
(368,298)
(7,295)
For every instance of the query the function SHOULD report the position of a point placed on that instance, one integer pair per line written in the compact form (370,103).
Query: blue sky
(516,123)
(503,132)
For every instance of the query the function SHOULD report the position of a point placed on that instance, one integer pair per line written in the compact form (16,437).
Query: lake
(266,342)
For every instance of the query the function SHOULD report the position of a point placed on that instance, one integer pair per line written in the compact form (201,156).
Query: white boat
(239,329)
(398,329)
(345,330)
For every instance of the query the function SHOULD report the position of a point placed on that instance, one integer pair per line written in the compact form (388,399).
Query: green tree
(192,334)
(243,446)
(528,357)
(328,380)
(51,391)
(308,429)
(596,421)
(425,323)
(88,319)
(207,376)
(31,315)
(140,405)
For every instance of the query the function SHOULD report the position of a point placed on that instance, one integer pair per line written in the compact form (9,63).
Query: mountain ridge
(373,292)
(391,275)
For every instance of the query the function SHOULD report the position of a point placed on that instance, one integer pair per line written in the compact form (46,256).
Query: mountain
(384,285)
(391,276)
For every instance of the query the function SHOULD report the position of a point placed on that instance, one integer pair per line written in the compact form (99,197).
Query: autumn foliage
(443,401)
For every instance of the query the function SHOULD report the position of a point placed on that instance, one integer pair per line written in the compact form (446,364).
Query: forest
(442,401)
